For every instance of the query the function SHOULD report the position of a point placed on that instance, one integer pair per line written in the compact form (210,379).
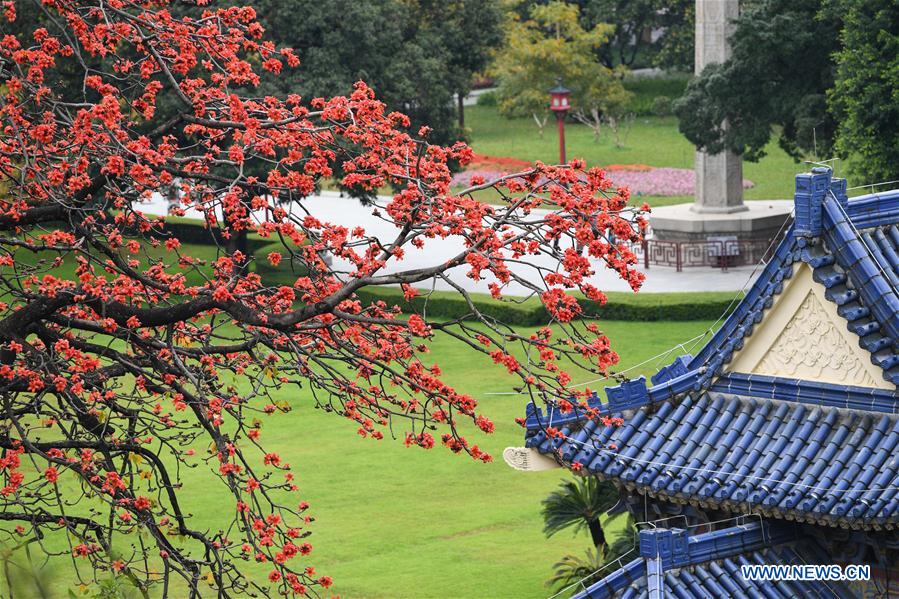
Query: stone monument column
(719,211)
(719,177)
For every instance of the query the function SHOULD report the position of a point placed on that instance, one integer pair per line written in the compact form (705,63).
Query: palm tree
(589,569)
(579,503)
(572,568)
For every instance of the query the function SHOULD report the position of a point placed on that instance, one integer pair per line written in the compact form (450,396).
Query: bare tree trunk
(461,97)
(594,121)
(541,124)
(621,127)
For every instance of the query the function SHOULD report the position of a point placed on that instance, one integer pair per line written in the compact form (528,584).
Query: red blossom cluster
(124,359)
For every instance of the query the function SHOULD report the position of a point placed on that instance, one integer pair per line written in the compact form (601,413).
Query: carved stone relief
(810,347)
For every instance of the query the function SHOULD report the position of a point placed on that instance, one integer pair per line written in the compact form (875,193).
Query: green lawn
(204,254)
(398,522)
(395,522)
(653,140)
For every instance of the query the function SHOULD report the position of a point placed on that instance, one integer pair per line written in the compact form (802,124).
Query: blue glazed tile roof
(708,566)
(794,449)
(810,462)
(853,249)
(858,268)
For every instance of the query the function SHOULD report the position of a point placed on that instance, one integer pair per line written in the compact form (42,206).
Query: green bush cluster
(661,106)
(286,272)
(193,231)
(487,99)
(652,96)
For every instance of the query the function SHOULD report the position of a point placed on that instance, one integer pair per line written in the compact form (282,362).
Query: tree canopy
(820,75)
(775,81)
(656,32)
(125,359)
(552,44)
(644,32)
(416,55)
(865,95)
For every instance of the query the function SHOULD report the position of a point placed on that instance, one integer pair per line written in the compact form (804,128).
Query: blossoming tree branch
(126,361)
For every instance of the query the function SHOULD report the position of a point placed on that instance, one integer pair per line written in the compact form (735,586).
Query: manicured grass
(206,253)
(398,522)
(653,140)
(437,525)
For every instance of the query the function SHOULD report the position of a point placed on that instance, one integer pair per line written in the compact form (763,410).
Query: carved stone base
(761,220)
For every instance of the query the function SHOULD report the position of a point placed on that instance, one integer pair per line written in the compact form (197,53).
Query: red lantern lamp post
(559,105)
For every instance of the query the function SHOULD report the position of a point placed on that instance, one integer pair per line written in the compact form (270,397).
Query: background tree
(644,32)
(865,94)
(416,55)
(552,44)
(775,83)
(468,31)
(346,41)
(126,360)
(676,50)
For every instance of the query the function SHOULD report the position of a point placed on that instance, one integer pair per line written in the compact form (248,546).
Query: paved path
(331,207)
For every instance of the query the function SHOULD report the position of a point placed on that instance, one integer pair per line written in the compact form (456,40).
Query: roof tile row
(805,462)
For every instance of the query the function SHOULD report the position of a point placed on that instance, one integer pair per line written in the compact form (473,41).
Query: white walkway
(332,208)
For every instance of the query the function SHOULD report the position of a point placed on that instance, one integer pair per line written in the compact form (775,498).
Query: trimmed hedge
(283,273)
(620,306)
(647,89)
(189,230)
(645,307)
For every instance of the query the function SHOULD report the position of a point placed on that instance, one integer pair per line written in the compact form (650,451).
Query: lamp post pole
(560,117)
(559,104)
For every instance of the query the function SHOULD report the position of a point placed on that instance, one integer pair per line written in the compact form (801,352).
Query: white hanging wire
(871,186)
(629,369)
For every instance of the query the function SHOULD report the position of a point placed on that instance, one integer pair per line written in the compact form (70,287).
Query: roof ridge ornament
(810,191)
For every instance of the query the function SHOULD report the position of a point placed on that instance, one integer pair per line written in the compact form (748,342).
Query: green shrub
(530,312)
(661,106)
(487,99)
(193,231)
(646,90)
(645,307)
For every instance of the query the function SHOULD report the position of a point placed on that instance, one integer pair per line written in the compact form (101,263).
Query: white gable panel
(802,336)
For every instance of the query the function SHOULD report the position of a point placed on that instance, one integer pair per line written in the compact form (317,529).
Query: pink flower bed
(653,182)
(660,181)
